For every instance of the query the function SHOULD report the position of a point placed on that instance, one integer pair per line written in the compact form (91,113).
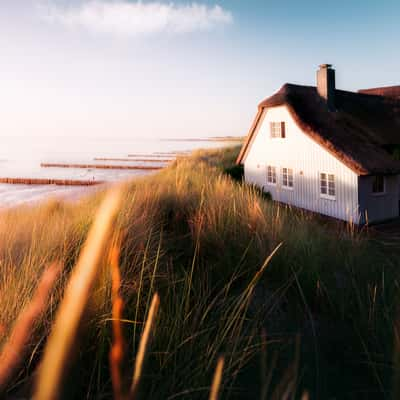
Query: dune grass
(256,300)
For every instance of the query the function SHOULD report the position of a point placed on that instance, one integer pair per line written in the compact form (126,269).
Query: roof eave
(249,138)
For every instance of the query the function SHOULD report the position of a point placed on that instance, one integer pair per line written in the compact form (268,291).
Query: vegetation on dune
(200,287)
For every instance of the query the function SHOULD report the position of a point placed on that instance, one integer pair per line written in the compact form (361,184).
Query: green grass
(320,317)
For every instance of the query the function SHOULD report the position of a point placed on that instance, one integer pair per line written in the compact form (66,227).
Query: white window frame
(277,129)
(286,178)
(328,179)
(273,175)
(384,186)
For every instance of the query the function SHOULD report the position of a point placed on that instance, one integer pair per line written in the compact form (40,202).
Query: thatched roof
(387,91)
(355,133)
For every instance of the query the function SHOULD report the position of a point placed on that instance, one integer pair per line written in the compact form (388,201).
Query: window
(378,184)
(327,185)
(277,129)
(271,175)
(287,177)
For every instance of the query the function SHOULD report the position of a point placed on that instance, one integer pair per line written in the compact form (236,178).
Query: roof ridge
(355,133)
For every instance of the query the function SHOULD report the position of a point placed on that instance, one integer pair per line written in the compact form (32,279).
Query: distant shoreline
(210,139)
(72,186)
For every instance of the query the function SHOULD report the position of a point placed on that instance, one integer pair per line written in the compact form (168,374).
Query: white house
(327,150)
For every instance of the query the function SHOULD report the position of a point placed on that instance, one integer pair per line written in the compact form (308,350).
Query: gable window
(378,184)
(327,185)
(271,175)
(277,129)
(287,178)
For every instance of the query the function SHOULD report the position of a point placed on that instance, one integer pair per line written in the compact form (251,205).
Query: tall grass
(14,350)
(77,293)
(316,314)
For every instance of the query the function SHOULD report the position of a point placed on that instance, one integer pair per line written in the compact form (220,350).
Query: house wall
(378,207)
(307,159)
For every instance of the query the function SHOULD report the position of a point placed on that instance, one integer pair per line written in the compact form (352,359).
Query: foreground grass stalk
(77,293)
(118,346)
(305,396)
(15,348)
(216,384)
(155,303)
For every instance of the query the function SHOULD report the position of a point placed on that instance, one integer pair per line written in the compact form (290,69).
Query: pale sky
(125,68)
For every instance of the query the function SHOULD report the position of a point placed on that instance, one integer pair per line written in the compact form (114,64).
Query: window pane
(274,129)
(378,184)
(287,177)
(277,129)
(323,184)
(271,174)
(327,184)
(331,185)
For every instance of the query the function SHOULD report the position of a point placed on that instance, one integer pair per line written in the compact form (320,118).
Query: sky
(162,69)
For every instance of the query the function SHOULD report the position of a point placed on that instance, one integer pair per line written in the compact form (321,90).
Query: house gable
(292,146)
(307,159)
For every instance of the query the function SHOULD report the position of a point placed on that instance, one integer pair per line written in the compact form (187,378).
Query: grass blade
(15,348)
(143,345)
(118,346)
(76,297)
(215,387)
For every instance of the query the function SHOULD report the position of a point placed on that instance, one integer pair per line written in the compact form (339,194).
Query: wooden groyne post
(100,166)
(45,181)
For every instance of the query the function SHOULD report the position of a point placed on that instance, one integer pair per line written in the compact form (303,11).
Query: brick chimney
(326,84)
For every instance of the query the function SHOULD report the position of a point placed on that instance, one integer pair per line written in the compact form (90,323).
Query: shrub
(236,172)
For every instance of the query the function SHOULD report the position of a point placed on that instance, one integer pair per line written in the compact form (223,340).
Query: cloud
(127,18)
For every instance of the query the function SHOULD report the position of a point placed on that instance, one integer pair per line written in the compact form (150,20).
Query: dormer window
(277,129)
(378,184)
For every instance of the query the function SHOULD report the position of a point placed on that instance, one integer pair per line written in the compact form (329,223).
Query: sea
(23,158)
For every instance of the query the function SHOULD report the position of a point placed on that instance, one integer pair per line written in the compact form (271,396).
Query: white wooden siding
(307,159)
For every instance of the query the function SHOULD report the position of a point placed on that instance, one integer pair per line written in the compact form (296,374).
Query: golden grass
(305,396)
(216,384)
(198,239)
(14,351)
(60,343)
(144,341)
(118,345)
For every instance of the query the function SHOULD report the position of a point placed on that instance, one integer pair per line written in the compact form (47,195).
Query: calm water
(20,158)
